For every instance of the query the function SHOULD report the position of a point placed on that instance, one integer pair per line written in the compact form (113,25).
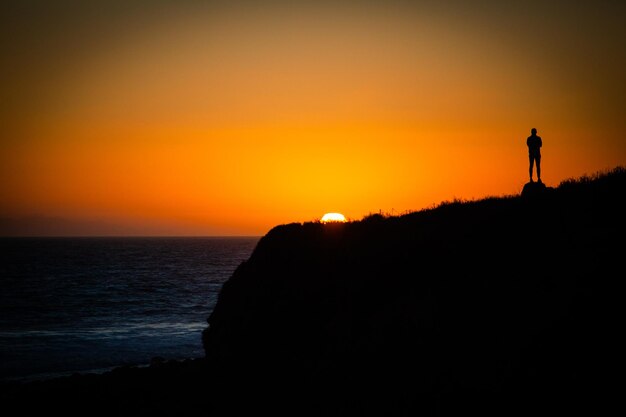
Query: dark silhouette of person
(534,153)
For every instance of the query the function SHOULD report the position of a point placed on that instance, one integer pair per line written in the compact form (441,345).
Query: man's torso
(534,144)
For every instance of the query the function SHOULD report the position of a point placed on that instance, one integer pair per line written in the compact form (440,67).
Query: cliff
(500,304)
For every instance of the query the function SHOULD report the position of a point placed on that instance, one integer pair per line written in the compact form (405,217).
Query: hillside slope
(501,305)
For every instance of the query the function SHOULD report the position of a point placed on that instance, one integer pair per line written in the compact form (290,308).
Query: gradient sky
(227,118)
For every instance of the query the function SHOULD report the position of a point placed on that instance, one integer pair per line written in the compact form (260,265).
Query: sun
(333,218)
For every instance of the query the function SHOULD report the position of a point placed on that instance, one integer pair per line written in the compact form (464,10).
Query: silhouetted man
(534,153)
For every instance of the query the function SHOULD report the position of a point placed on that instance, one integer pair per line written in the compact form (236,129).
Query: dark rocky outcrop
(535,190)
(500,304)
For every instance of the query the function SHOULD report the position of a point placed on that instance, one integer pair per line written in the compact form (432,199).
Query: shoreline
(163,385)
(51,376)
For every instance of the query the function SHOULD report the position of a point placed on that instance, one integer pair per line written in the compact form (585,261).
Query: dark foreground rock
(504,306)
(535,190)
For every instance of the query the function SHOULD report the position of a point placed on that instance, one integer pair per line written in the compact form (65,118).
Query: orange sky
(230,119)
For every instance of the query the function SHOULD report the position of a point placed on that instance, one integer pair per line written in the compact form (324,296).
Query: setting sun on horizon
(228,118)
(333,218)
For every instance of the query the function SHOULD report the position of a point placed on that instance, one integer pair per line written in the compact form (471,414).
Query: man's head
(533,131)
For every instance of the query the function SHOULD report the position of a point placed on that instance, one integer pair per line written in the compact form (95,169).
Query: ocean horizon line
(127,236)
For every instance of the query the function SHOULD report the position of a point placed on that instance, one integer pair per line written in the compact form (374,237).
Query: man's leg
(530,167)
(538,162)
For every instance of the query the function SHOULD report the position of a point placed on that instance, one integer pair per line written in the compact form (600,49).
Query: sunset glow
(230,119)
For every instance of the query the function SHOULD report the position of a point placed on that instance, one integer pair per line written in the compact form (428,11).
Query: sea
(90,304)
